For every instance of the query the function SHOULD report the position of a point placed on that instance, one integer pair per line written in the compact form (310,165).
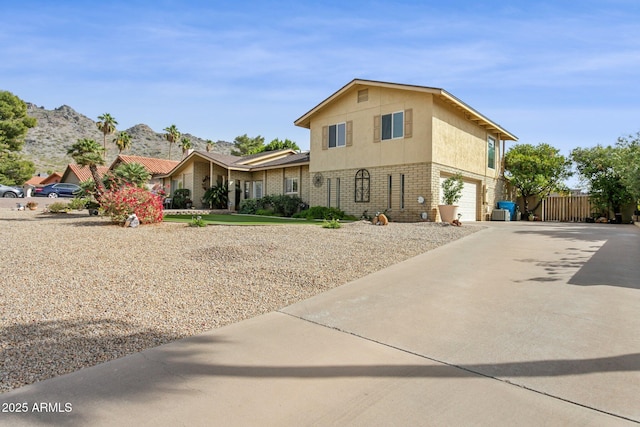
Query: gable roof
(470,113)
(152,165)
(35,180)
(82,172)
(259,161)
(54,177)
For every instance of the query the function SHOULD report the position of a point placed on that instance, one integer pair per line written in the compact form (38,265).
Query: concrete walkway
(521,324)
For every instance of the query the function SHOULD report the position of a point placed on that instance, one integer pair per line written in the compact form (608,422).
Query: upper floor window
(393,125)
(337,135)
(491,152)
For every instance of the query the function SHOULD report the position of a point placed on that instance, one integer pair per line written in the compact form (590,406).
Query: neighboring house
(379,146)
(44,180)
(253,176)
(156,167)
(75,174)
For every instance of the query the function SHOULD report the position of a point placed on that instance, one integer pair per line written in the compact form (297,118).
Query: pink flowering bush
(119,203)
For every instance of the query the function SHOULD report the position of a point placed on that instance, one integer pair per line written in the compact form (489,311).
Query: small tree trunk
(97,182)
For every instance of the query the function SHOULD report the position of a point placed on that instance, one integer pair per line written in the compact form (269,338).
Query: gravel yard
(77,291)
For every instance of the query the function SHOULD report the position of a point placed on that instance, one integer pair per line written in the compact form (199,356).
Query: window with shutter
(349,133)
(325,137)
(337,135)
(392,125)
(408,123)
(376,128)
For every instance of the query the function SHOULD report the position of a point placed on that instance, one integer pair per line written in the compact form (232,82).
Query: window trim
(337,127)
(393,124)
(294,183)
(491,157)
(255,186)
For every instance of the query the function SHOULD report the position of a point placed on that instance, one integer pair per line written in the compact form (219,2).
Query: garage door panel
(467,205)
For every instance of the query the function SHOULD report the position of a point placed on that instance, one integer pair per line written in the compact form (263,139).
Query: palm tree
(107,125)
(123,141)
(172,135)
(87,152)
(210,145)
(132,173)
(186,145)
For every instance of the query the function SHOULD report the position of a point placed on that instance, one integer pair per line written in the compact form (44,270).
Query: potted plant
(451,194)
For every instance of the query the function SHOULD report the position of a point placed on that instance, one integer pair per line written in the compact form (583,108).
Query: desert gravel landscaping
(77,290)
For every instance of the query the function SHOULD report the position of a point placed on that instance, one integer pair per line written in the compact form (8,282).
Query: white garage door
(468,202)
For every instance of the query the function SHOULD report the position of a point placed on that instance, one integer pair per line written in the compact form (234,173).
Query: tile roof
(54,177)
(35,180)
(153,165)
(83,173)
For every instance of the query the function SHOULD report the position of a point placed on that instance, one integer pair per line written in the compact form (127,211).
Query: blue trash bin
(510,206)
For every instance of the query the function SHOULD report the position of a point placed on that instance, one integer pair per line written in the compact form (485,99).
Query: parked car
(6,191)
(60,189)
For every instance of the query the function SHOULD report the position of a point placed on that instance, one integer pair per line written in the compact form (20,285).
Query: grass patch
(238,219)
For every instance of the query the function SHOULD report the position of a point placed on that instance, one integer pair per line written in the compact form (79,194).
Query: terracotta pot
(448,212)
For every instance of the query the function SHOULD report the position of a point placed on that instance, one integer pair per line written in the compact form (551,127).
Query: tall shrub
(121,202)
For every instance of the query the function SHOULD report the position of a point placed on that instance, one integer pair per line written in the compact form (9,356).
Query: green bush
(197,222)
(58,207)
(277,205)
(180,198)
(79,203)
(248,206)
(267,212)
(334,223)
(323,212)
(217,196)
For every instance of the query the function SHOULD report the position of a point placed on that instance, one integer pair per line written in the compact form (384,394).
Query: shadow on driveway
(616,263)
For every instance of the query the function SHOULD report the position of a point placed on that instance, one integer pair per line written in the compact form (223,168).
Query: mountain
(46,144)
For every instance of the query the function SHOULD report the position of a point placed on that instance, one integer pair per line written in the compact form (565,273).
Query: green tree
(132,173)
(598,166)
(14,124)
(210,145)
(186,145)
(246,145)
(87,152)
(172,135)
(122,141)
(628,163)
(107,125)
(536,171)
(277,144)
(14,170)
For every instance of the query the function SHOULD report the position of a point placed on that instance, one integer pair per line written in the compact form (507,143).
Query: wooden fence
(566,208)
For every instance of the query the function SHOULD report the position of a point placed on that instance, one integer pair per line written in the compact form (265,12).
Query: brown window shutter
(408,123)
(376,128)
(349,133)
(325,137)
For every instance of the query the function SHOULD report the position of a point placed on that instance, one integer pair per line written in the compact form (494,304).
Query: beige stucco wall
(365,152)
(460,143)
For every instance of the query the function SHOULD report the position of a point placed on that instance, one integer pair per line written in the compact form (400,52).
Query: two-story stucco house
(377,146)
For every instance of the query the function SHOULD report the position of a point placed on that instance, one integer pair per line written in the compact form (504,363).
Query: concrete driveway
(519,324)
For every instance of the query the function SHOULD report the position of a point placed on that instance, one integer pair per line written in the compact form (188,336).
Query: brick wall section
(421,180)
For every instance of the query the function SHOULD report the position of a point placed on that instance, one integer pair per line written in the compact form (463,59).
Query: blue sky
(562,72)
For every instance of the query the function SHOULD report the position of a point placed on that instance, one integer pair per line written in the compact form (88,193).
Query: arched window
(362,186)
